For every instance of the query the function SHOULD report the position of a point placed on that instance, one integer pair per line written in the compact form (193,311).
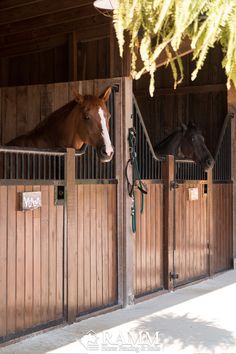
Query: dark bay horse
(85,120)
(186,142)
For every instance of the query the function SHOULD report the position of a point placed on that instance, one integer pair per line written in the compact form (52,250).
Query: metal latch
(174,185)
(174,275)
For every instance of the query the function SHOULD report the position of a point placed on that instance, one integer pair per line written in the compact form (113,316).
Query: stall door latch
(174,276)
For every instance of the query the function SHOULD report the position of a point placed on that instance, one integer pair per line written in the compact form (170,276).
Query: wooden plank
(52,243)
(40,8)
(49,20)
(11,260)
(71,232)
(44,253)
(104,246)
(8,114)
(99,244)
(93,239)
(210,222)
(33,107)
(20,265)
(59,261)
(112,207)
(87,248)
(7,4)
(3,260)
(36,234)
(81,25)
(80,231)
(154,221)
(168,176)
(28,266)
(22,105)
(72,56)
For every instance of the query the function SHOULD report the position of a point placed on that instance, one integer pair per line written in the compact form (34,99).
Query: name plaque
(193,193)
(31,200)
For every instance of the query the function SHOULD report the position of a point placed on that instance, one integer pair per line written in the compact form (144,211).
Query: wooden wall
(223,226)
(97,246)
(148,243)
(203,101)
(23,107)
(31,261)
(191,238)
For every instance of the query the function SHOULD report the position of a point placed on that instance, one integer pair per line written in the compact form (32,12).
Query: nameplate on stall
(31,200)
(193,193)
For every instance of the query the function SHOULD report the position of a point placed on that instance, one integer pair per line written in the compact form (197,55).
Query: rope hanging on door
(136,178)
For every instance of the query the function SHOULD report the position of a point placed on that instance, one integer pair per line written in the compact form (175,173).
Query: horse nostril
(103,151)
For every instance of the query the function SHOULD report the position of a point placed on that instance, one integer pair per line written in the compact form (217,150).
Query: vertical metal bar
(54,167)
(17,165)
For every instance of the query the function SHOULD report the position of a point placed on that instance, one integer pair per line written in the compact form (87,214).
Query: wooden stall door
(97,246)
(191,261)
(148,244)
(31,262)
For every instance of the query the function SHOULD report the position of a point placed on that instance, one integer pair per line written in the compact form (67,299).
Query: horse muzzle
(103,156)
(208,164)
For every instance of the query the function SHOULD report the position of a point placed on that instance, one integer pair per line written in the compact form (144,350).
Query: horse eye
(86,116)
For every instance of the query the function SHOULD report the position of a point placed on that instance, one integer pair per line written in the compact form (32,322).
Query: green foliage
(157,26)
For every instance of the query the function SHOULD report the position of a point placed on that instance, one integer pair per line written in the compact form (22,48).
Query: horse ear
(78,97)
(106,94)
(184,127)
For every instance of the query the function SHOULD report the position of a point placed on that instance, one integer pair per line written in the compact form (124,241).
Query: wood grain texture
(97,247)
(223,226)
(31,261)
(191,238)
(148,245)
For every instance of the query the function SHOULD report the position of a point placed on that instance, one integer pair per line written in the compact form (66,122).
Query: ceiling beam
(49,20)
(51,31)
(9,4)
(95,32)
(35,9)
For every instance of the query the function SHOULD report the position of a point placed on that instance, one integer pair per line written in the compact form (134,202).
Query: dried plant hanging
(159,26)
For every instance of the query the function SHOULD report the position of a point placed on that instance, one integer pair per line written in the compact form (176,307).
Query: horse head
(92,125)
(193,147)
(170,145)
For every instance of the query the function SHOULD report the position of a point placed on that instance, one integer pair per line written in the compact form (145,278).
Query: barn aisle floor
(196,319)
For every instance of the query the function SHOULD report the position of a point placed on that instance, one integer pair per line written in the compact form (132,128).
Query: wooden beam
(47,21)
(9,4)
(51,31)
(184,90)
(44,7)
(71,238)
(33,46)
(168,209)
(73,57)
(232,109)
(210,235)
(128,244)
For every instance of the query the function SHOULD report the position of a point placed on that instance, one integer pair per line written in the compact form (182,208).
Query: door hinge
(174,185)
(174,275)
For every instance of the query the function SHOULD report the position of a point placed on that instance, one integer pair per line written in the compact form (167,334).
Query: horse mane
(60,113)
(167,139)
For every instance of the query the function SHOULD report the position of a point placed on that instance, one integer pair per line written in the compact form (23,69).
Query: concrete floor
(196,319)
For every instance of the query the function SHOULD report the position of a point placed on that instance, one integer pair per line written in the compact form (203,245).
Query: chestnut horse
(85,120)
(186,142)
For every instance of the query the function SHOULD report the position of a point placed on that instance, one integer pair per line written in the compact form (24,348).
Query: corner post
(70,243)
(128,246)
(211,247)
(168,177)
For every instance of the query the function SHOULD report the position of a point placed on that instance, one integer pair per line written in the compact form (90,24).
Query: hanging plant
(160,26)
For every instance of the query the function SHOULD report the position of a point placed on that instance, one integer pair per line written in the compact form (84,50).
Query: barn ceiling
(31,25)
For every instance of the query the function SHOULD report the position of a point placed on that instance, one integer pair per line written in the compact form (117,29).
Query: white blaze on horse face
(105,134)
